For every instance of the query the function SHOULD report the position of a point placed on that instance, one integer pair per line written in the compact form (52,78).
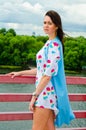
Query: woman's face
(49,27)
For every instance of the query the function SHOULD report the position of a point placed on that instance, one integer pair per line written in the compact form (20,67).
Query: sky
(26,16)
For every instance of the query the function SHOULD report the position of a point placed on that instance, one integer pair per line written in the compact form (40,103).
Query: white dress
(49,67)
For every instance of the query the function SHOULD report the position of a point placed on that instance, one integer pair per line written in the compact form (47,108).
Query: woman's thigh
(50,124)
(40,118)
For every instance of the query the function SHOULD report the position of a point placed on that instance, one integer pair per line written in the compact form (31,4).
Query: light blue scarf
(65,114)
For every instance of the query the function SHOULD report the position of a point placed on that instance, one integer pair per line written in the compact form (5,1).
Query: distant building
(33,34)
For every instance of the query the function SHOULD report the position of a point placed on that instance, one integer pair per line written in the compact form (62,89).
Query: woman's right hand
(14,74)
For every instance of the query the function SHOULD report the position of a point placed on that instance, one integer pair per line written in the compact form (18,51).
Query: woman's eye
(50,23)
(44,22)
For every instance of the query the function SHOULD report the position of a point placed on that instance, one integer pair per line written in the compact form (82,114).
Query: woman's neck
(51,37)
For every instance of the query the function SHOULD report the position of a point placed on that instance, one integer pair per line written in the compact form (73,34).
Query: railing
(24,97)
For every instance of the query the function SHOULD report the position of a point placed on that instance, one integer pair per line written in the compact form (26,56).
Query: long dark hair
(55,17)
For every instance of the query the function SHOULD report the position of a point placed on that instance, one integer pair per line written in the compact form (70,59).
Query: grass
(9,67)
(71,72)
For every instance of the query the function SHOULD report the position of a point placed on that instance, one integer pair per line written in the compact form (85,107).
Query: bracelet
(34,94)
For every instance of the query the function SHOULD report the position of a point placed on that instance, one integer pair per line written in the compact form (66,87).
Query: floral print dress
(49,67)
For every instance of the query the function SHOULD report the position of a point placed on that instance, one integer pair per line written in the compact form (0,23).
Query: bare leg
(40,118)
(50,124)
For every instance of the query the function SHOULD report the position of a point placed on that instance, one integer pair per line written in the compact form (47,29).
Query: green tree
(3,31)
(12,31)
(21,50)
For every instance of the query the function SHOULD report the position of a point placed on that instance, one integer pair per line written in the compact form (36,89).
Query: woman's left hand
(31,106)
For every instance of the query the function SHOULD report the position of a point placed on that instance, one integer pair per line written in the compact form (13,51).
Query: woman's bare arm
(24,72)
(44,81)
(28,72)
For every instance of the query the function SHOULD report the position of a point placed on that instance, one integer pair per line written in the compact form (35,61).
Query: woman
(50,102)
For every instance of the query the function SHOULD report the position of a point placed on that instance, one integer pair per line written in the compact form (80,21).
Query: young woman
(50,103)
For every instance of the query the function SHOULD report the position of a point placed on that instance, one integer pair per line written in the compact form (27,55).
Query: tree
(21,50)
(3,31)
(12,31)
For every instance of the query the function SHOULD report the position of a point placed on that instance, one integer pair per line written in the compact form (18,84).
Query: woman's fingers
(31,106)
(13,74)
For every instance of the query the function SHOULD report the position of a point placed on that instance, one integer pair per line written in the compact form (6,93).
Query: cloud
(26,16)
(20,12)
(75,13)
(36,9)
(23,29)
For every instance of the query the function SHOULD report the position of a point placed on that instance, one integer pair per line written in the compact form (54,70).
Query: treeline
(20,50)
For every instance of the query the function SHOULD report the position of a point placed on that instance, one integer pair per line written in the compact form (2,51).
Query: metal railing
(25,97)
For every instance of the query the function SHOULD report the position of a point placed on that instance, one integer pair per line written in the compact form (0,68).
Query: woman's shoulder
(55,43)
(56,40)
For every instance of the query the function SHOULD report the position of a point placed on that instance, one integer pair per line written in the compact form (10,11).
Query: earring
(56,28)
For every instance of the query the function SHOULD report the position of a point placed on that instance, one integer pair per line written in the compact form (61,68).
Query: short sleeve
(53,57)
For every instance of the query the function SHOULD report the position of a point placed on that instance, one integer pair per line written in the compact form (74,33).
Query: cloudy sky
(26,16)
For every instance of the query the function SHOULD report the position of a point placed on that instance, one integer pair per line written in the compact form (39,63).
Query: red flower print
(58,57)
(52,88)
(51,101)
(48,89)
(44,65)
(44,93)
(52,70)
(36,78)
(55,44)
(47,44)
(48,61)
(41,106)
(39,56)
(36,98)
